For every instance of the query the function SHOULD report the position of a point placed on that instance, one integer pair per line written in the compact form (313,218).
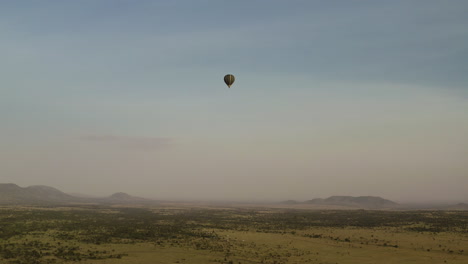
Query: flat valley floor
(185,233)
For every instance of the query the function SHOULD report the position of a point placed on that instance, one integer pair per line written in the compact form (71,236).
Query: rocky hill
(290,202)
(365,202)
(369,202)
(13,194)
(456,207)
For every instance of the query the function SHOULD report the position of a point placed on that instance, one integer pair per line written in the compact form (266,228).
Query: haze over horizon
(346,98)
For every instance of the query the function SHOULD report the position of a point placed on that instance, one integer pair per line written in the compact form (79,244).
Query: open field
(185,234)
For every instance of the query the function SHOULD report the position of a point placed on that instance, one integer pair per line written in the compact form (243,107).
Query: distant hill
(366,202)
(457,207)
(13,194)
(290,202)
(120,196)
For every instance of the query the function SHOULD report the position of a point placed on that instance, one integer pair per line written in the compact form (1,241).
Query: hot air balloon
(229,80)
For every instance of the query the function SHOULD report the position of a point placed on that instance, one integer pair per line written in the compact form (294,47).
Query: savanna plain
(185,233)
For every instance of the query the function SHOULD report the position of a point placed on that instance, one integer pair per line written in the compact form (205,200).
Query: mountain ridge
(361,202)
(356,201)
(12,194)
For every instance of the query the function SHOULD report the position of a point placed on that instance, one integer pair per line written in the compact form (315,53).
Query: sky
(330,98)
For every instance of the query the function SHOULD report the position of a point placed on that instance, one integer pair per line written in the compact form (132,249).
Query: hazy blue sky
(331,98)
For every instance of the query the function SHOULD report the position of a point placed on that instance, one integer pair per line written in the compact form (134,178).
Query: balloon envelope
(229,80)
